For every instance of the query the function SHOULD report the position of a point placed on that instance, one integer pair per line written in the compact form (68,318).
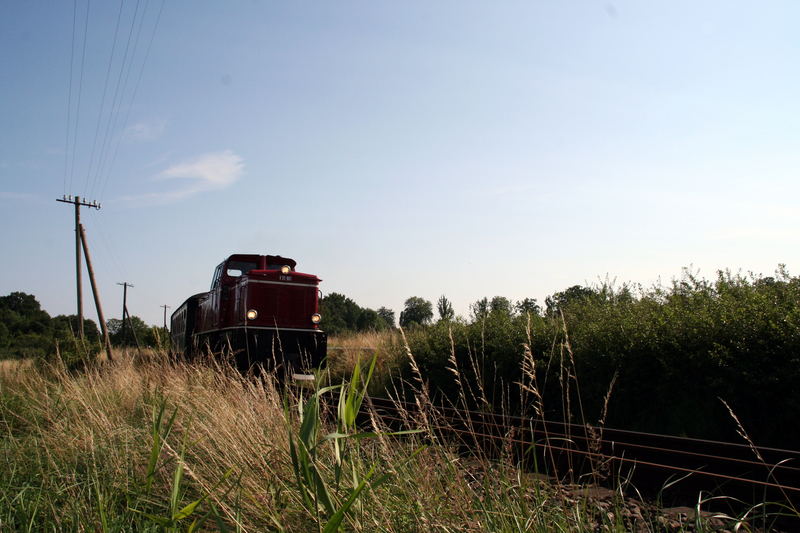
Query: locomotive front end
(278,308)
(261,311)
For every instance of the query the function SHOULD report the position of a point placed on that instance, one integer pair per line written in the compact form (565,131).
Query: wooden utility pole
(125,286)
(165,315)
(78,203)
(96,294)
(130,323)
(126,315)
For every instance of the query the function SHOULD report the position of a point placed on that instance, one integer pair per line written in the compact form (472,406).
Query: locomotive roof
(270,259)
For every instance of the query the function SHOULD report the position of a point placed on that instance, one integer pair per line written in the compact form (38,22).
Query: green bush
(676,351)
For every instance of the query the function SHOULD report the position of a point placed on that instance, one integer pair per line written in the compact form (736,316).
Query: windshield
(235,269)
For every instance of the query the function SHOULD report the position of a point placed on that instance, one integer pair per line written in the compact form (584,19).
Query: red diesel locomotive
(261,310)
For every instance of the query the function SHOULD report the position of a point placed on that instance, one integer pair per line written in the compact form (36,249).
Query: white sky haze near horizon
(397,149)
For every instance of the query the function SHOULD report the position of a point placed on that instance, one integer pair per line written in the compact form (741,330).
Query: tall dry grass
(12,369)
(345,351)
(144,443)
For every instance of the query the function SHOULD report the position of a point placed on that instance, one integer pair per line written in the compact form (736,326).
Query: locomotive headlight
(315,318)
(285,269)
(252,314)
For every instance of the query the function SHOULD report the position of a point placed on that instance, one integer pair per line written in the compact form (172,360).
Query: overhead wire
(133,97)
(105,90)
(108,245)
(116,138)
(109,258)
(69,93)
(114,101)
(107,138)
(80,91)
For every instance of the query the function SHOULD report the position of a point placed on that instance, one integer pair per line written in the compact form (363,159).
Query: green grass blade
(335,521)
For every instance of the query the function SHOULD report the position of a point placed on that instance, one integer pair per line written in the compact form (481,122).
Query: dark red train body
(260,309)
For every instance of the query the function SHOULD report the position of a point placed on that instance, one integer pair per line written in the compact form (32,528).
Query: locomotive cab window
(217,275)
(234,269)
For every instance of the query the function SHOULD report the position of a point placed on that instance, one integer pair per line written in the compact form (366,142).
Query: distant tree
(417,311)
(370,320)
(5,337)
(28,329)
(479,309)
(21,313)
(500,305)
(445,308)
(66,326)
(125,337)
(339,313)
(114,326)
(563,299)
(528,306)
(387,315)
(21,303)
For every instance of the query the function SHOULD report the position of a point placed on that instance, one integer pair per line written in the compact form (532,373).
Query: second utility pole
(125,286)
(96,294)
(165,315)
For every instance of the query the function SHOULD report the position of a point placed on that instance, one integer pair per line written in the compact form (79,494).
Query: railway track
(674,470)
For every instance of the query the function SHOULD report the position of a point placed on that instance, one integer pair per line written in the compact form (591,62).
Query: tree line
(341,315)
(28,331)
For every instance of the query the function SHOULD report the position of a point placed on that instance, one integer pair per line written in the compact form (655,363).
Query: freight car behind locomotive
(260,310)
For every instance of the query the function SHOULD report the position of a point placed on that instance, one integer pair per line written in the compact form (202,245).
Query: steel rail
(743,447)
(620,443)
(614,458)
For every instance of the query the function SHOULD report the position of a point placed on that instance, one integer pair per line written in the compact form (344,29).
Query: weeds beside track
(153,445)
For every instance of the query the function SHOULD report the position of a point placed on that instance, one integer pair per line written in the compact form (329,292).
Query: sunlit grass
(12,369)
(147,444)
(345,350)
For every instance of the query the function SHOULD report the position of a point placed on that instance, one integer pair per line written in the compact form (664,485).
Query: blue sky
(397,149)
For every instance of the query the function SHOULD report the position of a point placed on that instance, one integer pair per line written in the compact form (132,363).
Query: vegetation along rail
(675,470)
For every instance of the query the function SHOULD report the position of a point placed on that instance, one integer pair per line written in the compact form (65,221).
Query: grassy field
(12,368)
(146,445)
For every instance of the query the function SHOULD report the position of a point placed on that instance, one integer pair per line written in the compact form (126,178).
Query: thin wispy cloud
(207,172)
(146,130)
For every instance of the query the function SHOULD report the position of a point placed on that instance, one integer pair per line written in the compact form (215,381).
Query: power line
(107,244)
(133,97)
(69,97)
(80,92)
(114,102)
(103,99)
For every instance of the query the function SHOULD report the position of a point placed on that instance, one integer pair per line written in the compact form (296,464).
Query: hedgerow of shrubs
(676,351)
